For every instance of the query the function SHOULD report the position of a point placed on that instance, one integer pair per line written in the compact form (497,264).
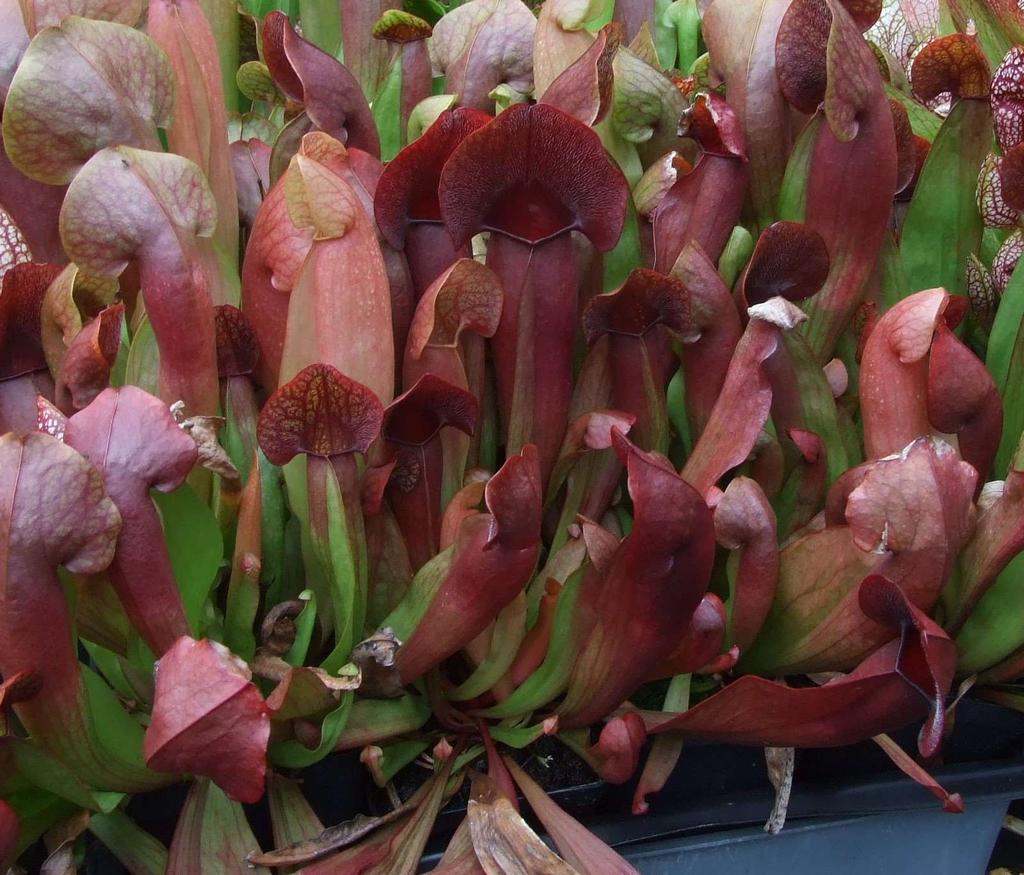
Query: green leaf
(142,367)
(992,631)
(471,755)
(552,677)
(37,811)
(138,851)
(196,547)
(1005,328)
(509,631)
(394,757)
(109,663)
(665,35)
(793,195)
(117,372)
(817,401)
(292,754)
(260,8)
(404,618)
(516,736)
(138,655)
(244,591)
(624,519)
(309,573)
(347,591)
(737,252)
(374,719)
(49,774)
(425,113)
(250,126)
(626,255)
(646,101)
(292,817)
(505,96)
(117,731)
(212,830)
(623,151)
(604,10)
(223,18)
(894,279)
(387,111)
(923,121)
(305,623)
(294,576)
(991,240)
(684,17)
(223,272)
(240,610)
(999,25)
(943,225)
(1013,404)
(273,519)
(321,24)
(677,411)
(428,10)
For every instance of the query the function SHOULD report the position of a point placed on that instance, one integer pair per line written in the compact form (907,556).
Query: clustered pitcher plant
(431,379)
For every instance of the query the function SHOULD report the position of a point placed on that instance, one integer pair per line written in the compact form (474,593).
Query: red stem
(141,571)
(430,252)
(533,347)
(180,310)
(418,509)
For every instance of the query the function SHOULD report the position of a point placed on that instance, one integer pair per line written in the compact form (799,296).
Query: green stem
(321,24)
(223,18)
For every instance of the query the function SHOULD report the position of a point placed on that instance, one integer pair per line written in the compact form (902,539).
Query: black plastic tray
(850,812)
